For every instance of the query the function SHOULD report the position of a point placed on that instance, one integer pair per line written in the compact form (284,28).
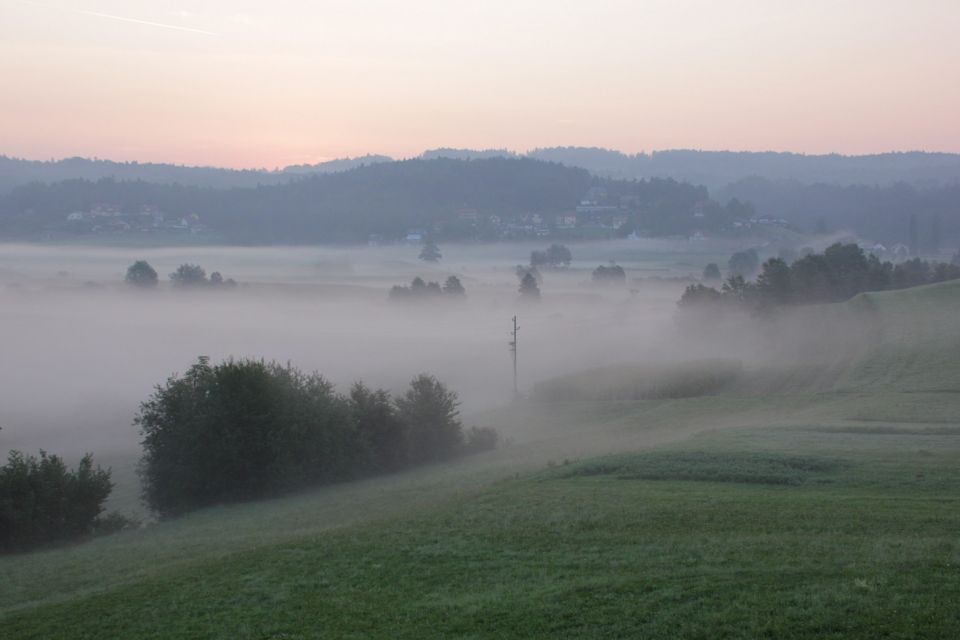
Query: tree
(538,258)
(141,274)
(697,296)
(380,432)
(558,255)
(529,290)
(216,279)
(744,263)
(430,416)
(773,284)
(43,501)
(430,251)
(613,274)
(711,272)
(189,275)
(241,430)
(453,287)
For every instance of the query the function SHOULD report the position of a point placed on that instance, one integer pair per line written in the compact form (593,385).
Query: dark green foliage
(241,430)
(189,275)
(247,429)
(381,434)
(429,412)
(430,251)
(529,290)
(773,284)
(839,273)
(613,274)
(42,501)
(141,274)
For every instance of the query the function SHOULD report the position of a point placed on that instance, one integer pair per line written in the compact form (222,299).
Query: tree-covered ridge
(455,199)
(882,213)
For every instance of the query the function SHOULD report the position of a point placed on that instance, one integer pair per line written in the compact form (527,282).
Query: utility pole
(513,350)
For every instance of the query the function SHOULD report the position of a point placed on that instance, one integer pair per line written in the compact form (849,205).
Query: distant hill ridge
(713,169)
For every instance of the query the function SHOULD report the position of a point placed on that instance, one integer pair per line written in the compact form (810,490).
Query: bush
(430,415)
(42,501)
(247,429)
(380,432)
(240,430)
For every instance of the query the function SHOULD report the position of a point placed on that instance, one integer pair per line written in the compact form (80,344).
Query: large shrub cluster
(246,429)
(42,501)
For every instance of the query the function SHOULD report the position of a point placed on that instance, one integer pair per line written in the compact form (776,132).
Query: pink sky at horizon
(239,84)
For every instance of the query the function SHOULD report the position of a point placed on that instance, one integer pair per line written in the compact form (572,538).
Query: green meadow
(822,505)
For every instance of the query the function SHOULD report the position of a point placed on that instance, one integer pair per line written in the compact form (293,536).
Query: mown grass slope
(798,514)
(860,543)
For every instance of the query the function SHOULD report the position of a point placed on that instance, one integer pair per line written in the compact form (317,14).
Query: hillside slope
(796,514)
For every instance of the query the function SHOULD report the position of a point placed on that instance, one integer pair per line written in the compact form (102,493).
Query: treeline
(420,290)
(248,429)
(141,275)
(839,273)
(881,213)
(15,172)
(385,200)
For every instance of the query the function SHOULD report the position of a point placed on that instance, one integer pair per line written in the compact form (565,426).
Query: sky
(245,83)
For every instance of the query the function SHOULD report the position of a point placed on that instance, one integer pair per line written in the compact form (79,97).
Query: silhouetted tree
(189,275)
(141,274)
(558,255)
(430,416)
(380,431)
(43,501)
(609,275)
(773,284)
(453,287)
(528,288)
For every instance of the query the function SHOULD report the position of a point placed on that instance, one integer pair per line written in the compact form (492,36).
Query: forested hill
(386,199)
(15,171)
(714,169)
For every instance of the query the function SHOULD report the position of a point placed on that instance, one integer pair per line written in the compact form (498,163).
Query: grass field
(800,514)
